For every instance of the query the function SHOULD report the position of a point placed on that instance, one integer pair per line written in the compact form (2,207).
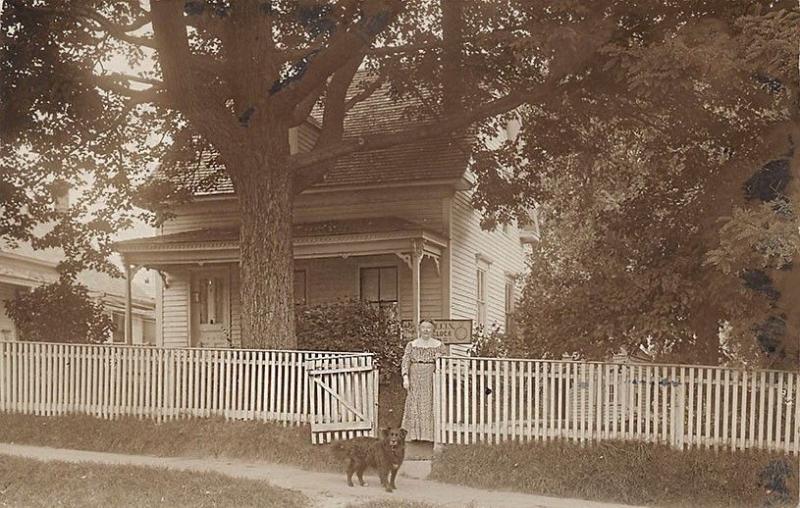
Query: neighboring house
(394,227)
(23,268)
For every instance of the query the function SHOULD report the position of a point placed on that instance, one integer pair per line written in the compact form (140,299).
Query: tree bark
(267,264)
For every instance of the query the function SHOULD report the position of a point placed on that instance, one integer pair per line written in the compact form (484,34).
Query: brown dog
(384,454)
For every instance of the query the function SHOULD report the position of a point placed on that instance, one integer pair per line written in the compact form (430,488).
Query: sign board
(449,331)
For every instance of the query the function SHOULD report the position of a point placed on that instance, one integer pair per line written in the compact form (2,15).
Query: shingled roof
(426,160)
(226,235)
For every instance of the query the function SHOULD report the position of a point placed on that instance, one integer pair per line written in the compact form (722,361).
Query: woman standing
(419,363)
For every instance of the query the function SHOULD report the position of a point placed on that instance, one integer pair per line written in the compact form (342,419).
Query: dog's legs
(384,474)
(360,472)
(350,470)
(393,476)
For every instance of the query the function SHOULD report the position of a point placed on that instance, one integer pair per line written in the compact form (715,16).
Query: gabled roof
(439,159)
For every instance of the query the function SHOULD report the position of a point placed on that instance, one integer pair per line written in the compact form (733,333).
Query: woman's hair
(430,321)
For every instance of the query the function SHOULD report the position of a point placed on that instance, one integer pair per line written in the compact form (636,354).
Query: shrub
(491,343)
(59,312)
(352,325)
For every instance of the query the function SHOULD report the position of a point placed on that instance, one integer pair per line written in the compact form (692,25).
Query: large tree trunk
(265,203)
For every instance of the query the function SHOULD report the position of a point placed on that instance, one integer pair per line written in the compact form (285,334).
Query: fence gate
(343,395)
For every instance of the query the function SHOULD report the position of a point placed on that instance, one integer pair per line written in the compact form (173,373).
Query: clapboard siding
(306,137)
(206,213)
(334,278)
(175,309)
(467,239)
(430,290)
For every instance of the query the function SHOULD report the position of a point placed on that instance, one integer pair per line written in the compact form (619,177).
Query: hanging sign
(449,331)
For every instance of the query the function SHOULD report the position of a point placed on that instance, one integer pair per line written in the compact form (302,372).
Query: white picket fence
(165,384)
(493,400)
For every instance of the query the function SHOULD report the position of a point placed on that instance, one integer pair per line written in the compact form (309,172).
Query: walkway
(326,490)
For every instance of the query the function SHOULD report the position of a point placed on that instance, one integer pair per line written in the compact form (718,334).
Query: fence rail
(164,383)
(492,400)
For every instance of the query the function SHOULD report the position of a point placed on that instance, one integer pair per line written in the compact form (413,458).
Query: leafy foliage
(59,312)
(492,343)
(353,325)
(647,176)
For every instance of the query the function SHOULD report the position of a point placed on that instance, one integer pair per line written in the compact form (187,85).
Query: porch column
(416,259)
(128,306)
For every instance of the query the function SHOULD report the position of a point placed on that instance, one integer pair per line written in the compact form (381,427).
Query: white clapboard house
(379,221)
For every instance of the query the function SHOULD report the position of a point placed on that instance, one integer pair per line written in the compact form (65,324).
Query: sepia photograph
(400,253)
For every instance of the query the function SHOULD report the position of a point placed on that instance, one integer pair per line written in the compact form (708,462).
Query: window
(118,332)
(480,292)
(378,285)
(300,287)
(212,295)
(510,297)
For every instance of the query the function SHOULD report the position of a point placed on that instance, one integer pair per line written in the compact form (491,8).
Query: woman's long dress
(419,364)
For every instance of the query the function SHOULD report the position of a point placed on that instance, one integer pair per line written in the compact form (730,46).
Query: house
(23,268)
(394,227)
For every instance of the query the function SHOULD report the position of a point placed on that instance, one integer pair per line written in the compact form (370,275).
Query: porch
(386,261)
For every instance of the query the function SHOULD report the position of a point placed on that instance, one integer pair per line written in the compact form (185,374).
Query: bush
(353,325)
(59,312)
(490,343)
(625,472)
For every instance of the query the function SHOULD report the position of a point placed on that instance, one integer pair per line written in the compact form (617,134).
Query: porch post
(128,306)
(416,259)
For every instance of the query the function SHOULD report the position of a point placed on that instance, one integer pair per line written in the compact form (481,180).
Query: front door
(211,308)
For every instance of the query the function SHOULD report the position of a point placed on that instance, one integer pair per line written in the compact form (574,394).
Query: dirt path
(326,490)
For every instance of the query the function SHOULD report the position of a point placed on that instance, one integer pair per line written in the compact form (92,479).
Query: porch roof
(352,237)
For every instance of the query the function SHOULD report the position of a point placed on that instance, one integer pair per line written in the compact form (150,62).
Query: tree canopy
(95,92)
(669,195)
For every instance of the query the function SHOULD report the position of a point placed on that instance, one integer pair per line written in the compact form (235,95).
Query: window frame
(379,266)
(510,304)
(481,293)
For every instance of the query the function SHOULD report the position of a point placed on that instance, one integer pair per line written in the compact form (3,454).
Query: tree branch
(315,161)
(119,31)
(366,92)
(343,45)
(204,110)
(154,95)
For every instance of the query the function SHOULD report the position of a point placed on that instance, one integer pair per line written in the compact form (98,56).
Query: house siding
(502,249)
(175,309)
(331,279)
(306,137)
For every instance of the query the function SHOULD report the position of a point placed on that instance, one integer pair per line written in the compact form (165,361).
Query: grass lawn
(27,482)
(199,437)
(622,472)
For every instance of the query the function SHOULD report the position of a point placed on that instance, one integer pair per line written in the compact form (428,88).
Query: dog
(385,454)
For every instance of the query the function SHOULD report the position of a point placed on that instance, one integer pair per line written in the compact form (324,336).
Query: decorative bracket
(165,278)
(406,259)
